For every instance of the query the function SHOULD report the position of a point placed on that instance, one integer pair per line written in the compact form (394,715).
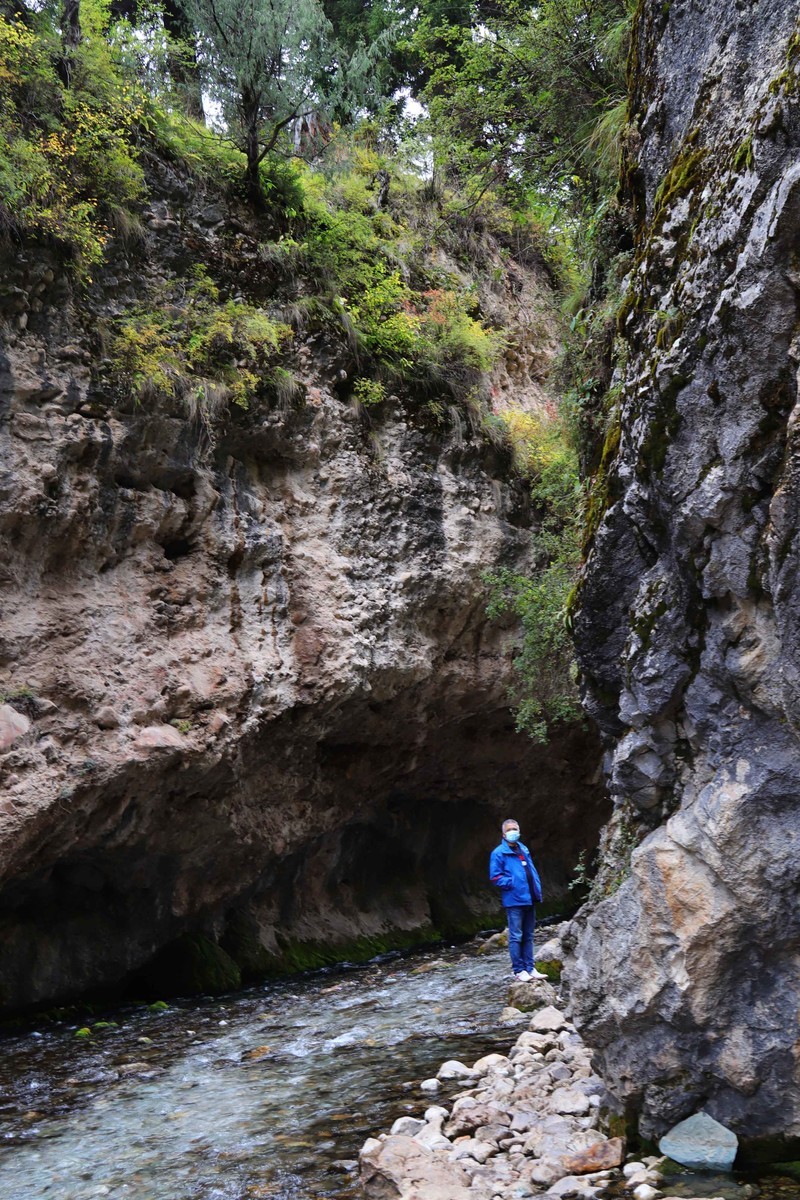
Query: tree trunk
(183,65)
(71,24)
(253,149)
(70,38)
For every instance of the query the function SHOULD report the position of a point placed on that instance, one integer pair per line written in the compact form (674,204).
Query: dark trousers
(521,924)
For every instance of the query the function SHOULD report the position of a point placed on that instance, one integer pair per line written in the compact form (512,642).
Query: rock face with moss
(686,976)
(254,715)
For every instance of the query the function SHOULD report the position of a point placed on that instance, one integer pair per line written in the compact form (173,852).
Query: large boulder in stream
(686,978)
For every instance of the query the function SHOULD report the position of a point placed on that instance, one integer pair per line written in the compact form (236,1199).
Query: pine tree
(274,66)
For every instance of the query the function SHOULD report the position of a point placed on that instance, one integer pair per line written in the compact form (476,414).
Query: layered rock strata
(687,976)
(250,688)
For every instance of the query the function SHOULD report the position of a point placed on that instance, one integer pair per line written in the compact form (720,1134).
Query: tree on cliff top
(275,68)
(529,98)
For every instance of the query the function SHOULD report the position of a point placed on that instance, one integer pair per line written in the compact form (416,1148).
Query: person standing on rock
(511,869)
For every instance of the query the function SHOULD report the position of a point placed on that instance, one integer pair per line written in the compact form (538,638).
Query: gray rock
(213,214)
(548,1019)
(684,978)
(407,1125)
(512,1016)
(274,581)
(570,1100)
(529,996)
(13,726)
(106,717)
(702,1143)
(453,1069)
(392,1166)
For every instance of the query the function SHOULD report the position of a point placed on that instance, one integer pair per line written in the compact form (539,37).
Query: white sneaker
(537,974)
(522,977)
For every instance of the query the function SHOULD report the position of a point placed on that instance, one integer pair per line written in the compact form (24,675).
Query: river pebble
(525,1124)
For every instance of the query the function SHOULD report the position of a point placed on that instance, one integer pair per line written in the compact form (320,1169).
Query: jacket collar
(506,849)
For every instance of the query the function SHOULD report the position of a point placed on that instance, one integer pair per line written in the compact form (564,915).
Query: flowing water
(267,1093)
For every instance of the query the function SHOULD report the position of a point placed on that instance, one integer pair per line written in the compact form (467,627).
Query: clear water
(256,1095)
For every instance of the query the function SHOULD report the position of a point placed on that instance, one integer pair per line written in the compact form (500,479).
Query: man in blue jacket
(511,869)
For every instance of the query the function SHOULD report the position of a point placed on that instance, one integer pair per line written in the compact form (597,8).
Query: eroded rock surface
(251,690)
(687,976)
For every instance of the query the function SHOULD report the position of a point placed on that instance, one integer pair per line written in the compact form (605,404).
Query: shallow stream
(261,1094)
(269,1093)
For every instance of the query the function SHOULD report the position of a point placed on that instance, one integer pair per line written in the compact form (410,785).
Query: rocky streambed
(270,1093)
(535,1121)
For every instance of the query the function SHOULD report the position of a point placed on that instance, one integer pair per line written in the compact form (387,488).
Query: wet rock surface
(687,626)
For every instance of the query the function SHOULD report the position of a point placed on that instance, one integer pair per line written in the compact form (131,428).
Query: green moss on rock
(310,955)
(600,496)
(777,1153)
(684,175)
(242,943)
(552,968)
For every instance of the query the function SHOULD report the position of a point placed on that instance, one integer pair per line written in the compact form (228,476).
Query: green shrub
(428,339)
(546,694)
(369,392)
(64,152)
(198,349)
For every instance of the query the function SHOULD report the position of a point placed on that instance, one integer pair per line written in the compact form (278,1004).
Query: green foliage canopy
(521,100)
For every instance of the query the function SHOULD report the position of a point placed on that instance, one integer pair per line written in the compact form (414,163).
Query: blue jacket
(507,871)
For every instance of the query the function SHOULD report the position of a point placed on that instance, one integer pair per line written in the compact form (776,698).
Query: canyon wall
(250,688)
(687,974)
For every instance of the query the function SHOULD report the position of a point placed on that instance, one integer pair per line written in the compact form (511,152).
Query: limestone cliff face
(250,688)
(687,977)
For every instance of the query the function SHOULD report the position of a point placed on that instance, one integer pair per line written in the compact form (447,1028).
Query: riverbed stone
(492,1133)
(474,1148)
(399,1168)
(601,1155)
(645,1191)
(545,1171)
(549,1019)
(407,1125)
(532,995)
(558,1138)
(525,1119)
(570,1100)
(551,950)
(436,1113)
(574,1185)
(517,1136)
(453,1069)
(497,941)
(491,1063)
(467,1115)
(701,1143)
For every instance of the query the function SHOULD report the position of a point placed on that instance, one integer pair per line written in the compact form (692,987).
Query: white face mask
(512,835)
